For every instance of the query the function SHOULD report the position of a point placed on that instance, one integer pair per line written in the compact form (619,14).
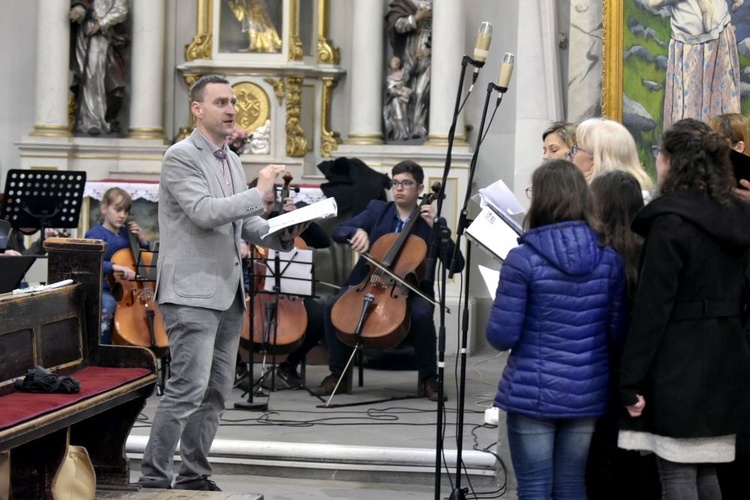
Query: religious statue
(97,63)
(397,97)
(260,139)
(409,26)
(261,32)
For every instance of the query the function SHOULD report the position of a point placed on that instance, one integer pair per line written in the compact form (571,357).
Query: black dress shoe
(430,389)
(199,484)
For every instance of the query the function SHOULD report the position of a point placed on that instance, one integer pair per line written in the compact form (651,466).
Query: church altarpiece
(283,68)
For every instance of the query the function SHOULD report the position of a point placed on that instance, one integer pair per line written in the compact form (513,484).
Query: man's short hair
(409,167)
(197,91)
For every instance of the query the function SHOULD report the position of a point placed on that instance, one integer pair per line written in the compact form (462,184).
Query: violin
(281,324)
(375,314)
(138,321)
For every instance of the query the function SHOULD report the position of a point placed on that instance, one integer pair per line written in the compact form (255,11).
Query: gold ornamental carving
(279,89)
(200,47)
(329,140)
(253,106)
(327,52)
(296,50)
(296,144)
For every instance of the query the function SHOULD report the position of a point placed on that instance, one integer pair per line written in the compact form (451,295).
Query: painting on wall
(636,57)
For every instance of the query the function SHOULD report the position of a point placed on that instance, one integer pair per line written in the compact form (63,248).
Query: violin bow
(414,289)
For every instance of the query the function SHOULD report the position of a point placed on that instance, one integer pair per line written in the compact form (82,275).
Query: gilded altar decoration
(296,144)
(252,106)
(279,89)
(257,24)
(296,50)
(327,52)
(200,47)
(329,140)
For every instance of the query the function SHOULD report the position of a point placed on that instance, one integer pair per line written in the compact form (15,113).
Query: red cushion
(18,407)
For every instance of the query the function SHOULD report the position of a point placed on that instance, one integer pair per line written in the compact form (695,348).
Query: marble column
(366,74)
(52,59)
(147,70)
(448,48)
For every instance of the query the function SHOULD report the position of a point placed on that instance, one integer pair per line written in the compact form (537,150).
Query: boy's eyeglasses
(404,184)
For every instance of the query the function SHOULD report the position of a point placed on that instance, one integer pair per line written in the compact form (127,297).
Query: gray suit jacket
(200,227)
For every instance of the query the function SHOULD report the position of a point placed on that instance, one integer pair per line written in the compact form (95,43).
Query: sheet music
(494,233)
(502,198)
(319,210)
(296,276)
(491,279)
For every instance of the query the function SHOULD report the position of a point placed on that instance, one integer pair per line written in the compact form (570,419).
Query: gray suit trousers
(203,344)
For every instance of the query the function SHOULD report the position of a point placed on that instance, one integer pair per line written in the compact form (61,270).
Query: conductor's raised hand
(360,242)
(267,178)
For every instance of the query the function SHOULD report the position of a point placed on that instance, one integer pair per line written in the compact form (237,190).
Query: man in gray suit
(205,209)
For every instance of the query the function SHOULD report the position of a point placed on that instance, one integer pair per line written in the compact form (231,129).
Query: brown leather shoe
(328,385)
(430,390)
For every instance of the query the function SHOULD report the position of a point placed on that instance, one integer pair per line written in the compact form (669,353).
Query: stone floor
(376,448)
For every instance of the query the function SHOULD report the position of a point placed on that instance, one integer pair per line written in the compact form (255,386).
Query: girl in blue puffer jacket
(560,305)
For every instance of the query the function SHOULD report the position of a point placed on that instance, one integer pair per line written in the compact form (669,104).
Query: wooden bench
(60,329)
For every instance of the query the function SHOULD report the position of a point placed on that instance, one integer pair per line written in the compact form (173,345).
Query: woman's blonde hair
(735,127)
(613,148)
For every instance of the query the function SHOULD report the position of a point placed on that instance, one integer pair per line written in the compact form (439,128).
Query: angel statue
(253,14)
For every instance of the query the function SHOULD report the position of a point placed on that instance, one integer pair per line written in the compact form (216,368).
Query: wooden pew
(60,329)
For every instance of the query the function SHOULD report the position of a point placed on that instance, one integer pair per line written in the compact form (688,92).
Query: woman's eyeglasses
(574,149)
(406,184)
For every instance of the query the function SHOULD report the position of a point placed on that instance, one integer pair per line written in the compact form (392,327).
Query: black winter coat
(686,352)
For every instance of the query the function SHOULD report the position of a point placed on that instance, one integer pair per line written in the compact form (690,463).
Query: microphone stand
(433,252)
(463,222)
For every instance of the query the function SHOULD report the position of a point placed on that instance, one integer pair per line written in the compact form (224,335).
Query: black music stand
(286,281)
(43,198)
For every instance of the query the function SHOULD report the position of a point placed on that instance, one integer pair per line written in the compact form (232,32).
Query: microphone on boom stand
(481,49)
(506,71)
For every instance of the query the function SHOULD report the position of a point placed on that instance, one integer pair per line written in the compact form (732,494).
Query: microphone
(506,71)
(481,48)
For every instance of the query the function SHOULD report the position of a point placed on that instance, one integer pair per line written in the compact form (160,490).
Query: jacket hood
(572,247)
(726,224)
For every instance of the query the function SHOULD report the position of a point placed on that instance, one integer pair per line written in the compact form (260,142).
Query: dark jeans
(313,334)
(421,334)
(549,456)
(688,481)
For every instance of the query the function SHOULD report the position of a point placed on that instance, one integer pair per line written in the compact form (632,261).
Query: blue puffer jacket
(560,303)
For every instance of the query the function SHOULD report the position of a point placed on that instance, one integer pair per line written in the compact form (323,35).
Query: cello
(279,320)
(375,313)
(138,321)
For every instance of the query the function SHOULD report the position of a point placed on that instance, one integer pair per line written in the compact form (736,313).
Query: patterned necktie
(221,155)
(399,225)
